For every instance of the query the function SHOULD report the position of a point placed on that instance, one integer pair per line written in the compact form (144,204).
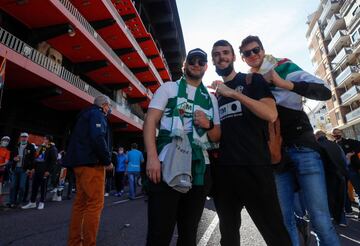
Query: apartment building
(63,53)
(334,43)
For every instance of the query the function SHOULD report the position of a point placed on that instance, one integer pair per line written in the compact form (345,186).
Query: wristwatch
(211,125)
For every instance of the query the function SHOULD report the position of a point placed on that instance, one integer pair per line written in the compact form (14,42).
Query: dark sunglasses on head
(194,61)
(247,53)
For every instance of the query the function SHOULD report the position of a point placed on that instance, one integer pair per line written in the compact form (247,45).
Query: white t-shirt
(165,96)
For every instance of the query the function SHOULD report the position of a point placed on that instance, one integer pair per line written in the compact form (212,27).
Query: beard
(224,72)
(193,76)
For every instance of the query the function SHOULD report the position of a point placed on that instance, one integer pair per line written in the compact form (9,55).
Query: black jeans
(168,207)
(39,181)
(70,176)
(108,181)
(26,191)
(119,181)
(253,187)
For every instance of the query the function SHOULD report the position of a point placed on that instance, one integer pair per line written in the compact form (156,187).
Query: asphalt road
(123,223)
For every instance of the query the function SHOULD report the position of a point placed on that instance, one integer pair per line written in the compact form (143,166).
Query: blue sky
(280,24)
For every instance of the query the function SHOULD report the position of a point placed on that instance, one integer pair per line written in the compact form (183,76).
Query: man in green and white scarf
(184,109)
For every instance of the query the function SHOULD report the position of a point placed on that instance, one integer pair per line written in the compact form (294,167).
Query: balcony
(349,74)
(72,81)
(353,115)
(350,95)
(310,39)
(356,46)
(67,9)
(335,23)
(340,38)
(354,20)
(330,7)
(312,53)
(341,57)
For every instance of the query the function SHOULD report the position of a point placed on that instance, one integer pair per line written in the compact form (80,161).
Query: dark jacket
(335,171)
(90,142)
(46,159)
(28,157)
(351,145)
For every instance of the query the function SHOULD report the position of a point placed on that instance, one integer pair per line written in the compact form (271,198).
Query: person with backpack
(243,176)
(289,83)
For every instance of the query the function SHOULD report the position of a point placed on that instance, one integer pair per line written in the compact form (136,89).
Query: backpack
(274,134)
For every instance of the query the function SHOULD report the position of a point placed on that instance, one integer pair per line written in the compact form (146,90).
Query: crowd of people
(266,143)
(248,145)
(27,168)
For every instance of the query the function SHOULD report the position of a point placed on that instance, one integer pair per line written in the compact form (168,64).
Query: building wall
(332,66)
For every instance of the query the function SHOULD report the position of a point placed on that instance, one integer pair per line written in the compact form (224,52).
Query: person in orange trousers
(89,154)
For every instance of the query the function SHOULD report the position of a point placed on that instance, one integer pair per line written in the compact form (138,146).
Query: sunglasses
(201,63)
(247,53)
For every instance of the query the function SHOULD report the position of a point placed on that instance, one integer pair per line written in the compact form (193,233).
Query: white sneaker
(41,205)
(106,194)
(56,198)
(29,205)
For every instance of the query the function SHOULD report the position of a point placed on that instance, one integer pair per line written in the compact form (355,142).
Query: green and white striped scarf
(289,71)
(198,136)
(202,101)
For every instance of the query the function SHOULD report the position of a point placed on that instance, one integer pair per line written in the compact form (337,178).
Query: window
(337,115)
(333,98)
(355,36)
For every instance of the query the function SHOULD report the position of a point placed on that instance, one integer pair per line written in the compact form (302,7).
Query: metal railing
(345,74)
(325,11)
(331,24)
(91,30)
(32,54)
(353,115)
(341,56)
(354,19)
(336,38)
(349,94)
(132,39)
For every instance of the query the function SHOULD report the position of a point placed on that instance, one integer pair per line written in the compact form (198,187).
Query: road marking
(122,201)
(355,241)
(207,234)
(126,200)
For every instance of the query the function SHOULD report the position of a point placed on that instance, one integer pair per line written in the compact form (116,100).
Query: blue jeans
(17,188)
(133,176)
(309,172)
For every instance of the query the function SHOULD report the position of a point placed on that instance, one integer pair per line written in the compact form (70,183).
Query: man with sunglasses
(243,176)
(289,83)
(185,110)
